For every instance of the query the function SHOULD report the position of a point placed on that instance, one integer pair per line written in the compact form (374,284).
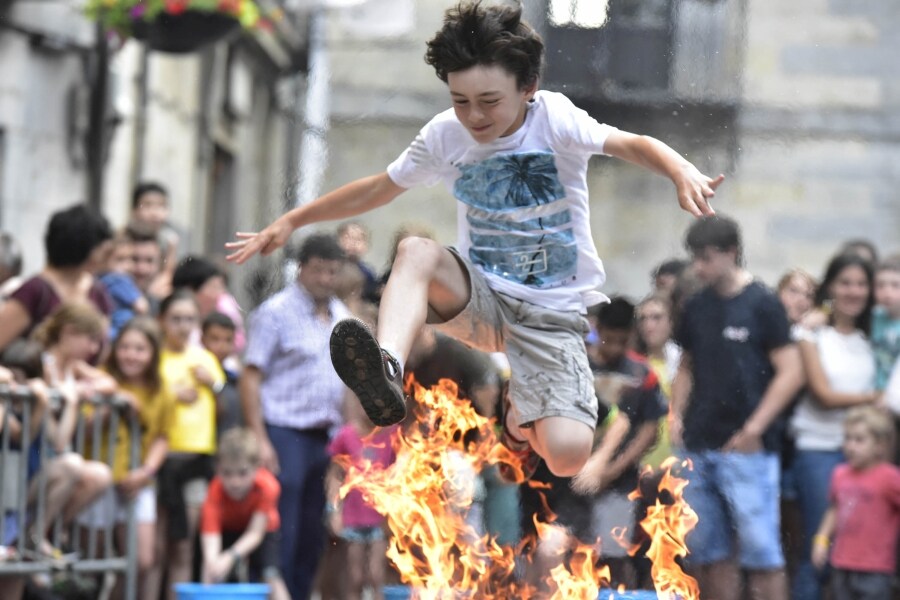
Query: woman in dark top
(75,241)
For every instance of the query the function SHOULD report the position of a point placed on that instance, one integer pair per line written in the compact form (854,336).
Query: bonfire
(425,495)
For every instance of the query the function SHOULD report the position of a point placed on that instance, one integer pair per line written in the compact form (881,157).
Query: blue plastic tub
(628,595)
(401,592)
(224,591)
(396,592)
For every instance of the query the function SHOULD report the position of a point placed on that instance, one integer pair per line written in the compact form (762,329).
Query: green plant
(120,15)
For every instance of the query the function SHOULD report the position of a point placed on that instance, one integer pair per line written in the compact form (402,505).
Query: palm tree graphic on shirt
(519,229)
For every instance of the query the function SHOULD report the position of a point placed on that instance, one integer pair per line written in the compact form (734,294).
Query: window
(586,14)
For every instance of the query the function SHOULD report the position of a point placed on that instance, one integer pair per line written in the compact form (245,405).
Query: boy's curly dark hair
(473,34)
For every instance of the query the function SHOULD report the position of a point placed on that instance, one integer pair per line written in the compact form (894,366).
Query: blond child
(240,515)
(859,532)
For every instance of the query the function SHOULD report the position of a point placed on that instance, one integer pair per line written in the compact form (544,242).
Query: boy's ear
(531,89)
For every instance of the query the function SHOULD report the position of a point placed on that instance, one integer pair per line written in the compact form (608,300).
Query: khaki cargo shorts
(550,374)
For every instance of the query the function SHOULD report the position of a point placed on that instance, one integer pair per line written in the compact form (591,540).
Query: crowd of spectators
(784,399)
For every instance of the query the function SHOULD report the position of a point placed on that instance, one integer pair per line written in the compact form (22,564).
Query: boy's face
(654,323)
(712,265)
(153,209)
(887,290)
(613,344)
(218,340)
(237,477)
(208,294)
(797,296)
(121,260)
(146,261)
(319,276)
(355,242)
(488,102)
(860,446)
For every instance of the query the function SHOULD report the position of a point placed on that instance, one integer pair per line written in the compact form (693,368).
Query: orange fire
(667,524)
(425,495)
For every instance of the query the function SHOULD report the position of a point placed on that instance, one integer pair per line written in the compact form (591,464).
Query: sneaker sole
(358,361)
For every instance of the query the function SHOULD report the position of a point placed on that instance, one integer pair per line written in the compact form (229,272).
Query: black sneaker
(370,372)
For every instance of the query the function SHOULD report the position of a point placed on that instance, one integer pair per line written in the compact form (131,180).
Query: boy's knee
(566,452)
(418,250)
(566,460)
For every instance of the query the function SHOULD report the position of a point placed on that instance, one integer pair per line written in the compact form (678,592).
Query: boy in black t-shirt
(739,371)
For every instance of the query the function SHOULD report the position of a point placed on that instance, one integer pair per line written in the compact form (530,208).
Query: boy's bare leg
(768,585)
(425,277)
(279,589)
(549,554)
(563,443)
(719,581)
(377,567)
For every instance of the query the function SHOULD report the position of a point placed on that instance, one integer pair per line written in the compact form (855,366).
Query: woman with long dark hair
(840,373)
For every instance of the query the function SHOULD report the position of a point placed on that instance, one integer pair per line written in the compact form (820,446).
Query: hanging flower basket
(184,32)
(176,26)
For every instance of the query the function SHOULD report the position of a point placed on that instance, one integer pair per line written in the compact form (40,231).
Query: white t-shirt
(523,215)
(849,365)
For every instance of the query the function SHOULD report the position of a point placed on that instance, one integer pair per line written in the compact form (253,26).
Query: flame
(425,494)
(667,524)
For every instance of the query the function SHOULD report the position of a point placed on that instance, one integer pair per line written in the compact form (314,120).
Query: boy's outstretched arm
(694,189)
(354,198)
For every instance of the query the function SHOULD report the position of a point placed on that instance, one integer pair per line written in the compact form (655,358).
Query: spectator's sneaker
(370,372)
(528,458)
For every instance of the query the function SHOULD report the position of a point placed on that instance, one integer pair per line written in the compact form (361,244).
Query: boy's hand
(609,387)
(695,189)
(814,319)
(743,441)
(220,567)
(267,455)
(185,393)
(265,242)
(590,479)
(134,482)
(39,389)
(676,430)
(202,375)
(819,556)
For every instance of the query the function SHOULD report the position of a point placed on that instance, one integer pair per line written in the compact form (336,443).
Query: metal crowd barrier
(85,557)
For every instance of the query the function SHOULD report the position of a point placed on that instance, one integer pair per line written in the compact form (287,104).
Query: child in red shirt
(864,516)
(240,515)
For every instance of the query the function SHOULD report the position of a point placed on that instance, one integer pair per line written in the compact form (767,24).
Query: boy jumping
(525,268)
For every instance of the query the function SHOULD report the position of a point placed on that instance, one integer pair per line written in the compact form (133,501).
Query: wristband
(217,387)
(821,540)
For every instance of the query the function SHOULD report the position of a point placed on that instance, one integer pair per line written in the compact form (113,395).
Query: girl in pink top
(864,514)
(353,520)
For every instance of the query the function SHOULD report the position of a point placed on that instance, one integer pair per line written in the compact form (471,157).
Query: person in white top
(525,266)
(840,370)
